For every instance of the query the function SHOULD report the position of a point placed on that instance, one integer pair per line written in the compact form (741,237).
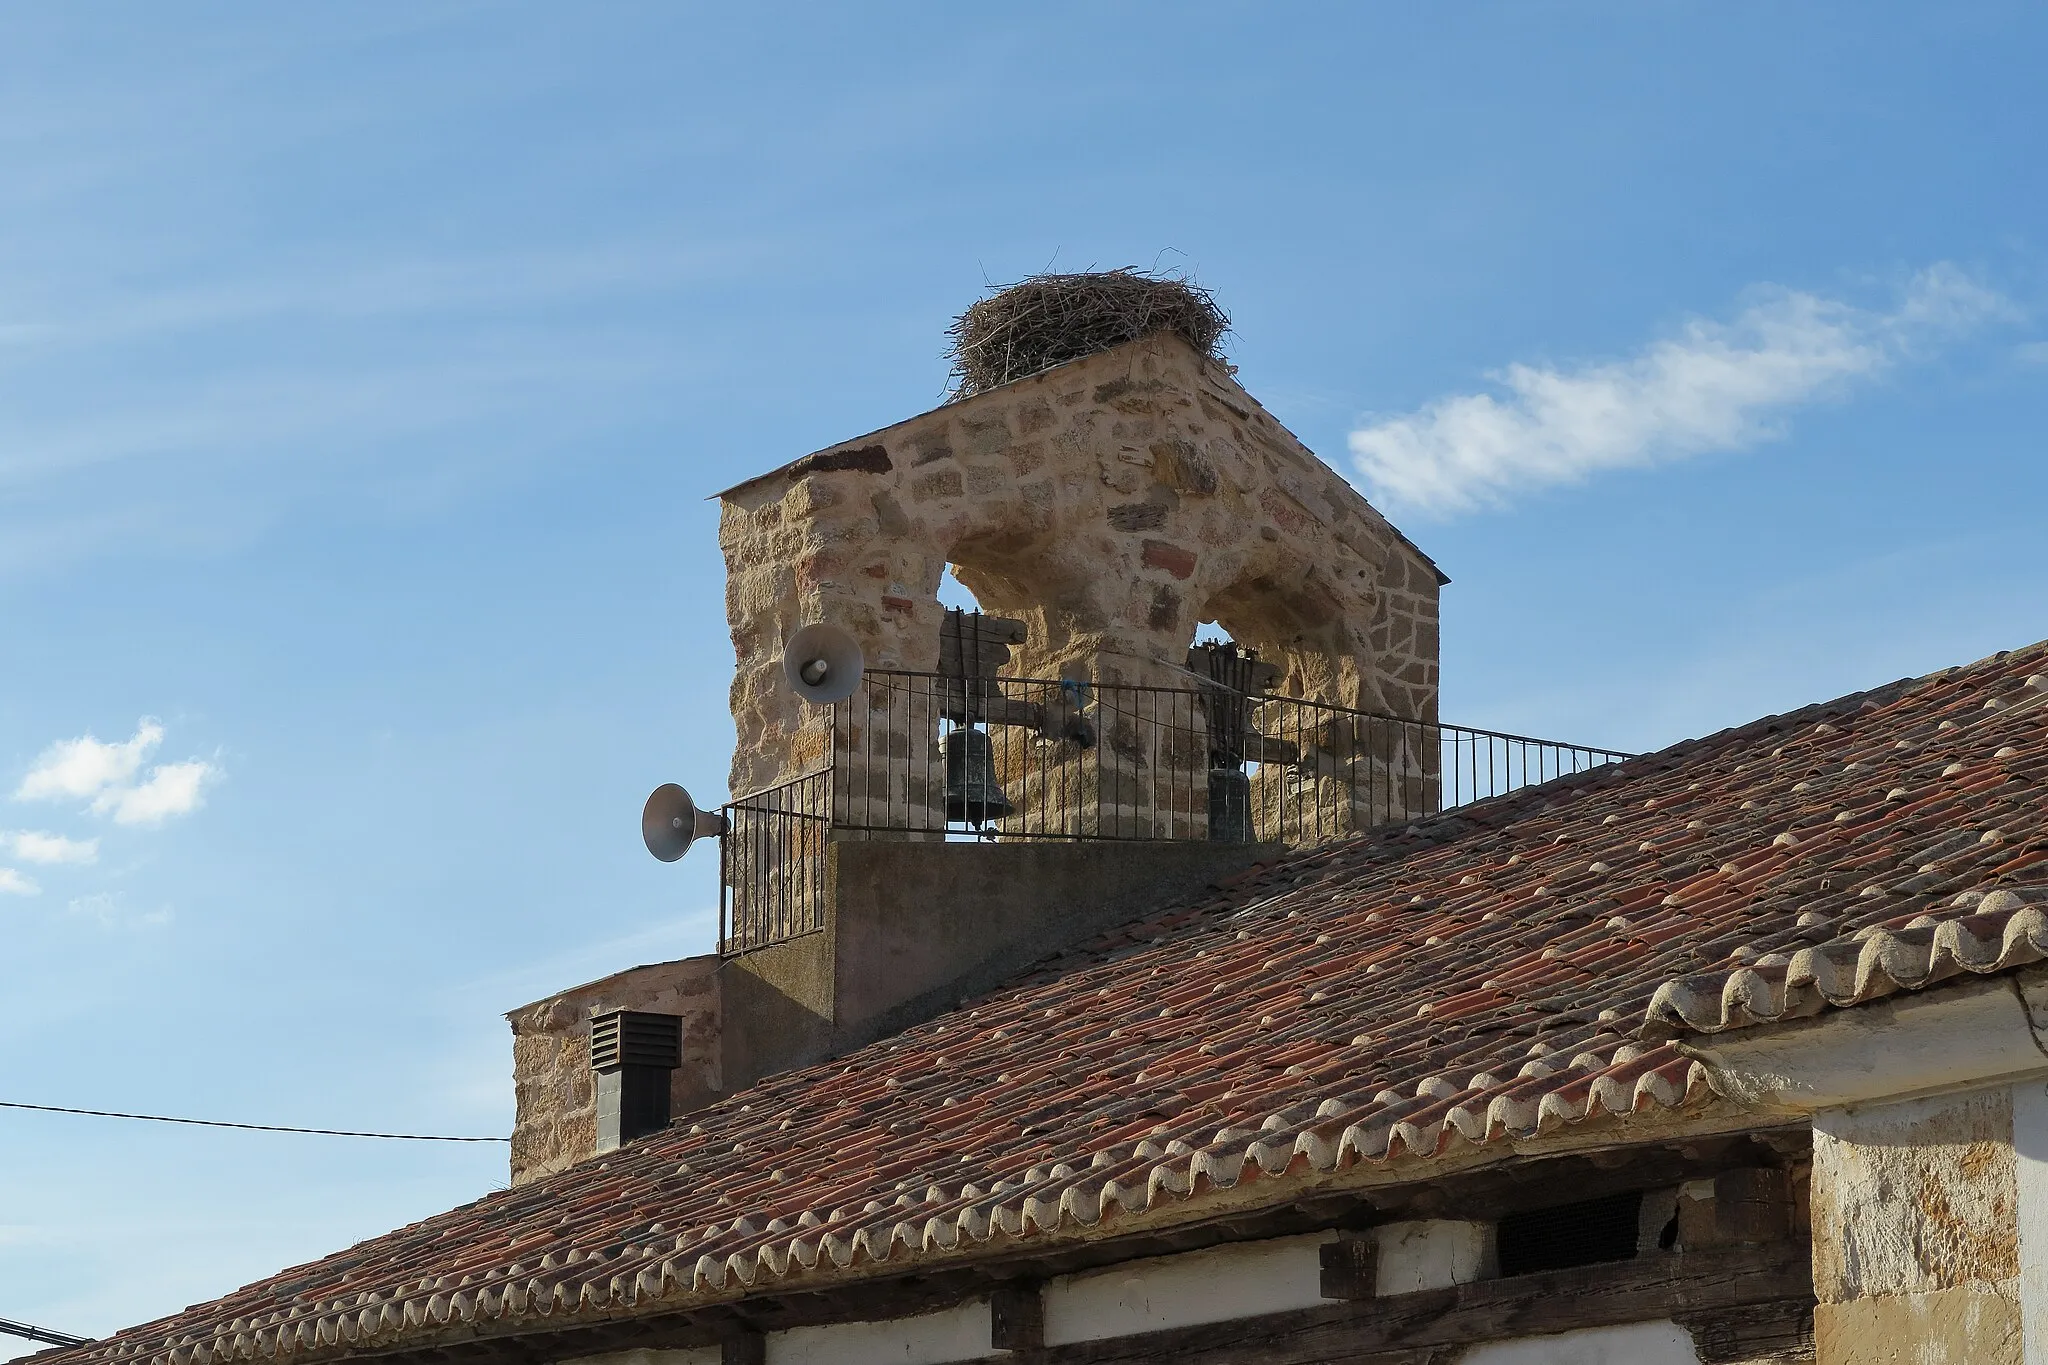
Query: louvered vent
(628,1038)
(633,1055)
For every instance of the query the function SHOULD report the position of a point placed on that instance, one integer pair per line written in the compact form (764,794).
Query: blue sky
(364,370)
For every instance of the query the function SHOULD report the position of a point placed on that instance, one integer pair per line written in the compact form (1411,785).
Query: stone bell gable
(1112,504)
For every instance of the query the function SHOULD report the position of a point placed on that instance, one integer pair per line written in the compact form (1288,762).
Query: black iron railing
(934,756)
(771,863)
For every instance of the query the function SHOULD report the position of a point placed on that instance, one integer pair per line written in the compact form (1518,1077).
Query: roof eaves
(1990,932)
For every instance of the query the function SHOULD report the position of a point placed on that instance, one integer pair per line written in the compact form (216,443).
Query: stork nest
(1047,320)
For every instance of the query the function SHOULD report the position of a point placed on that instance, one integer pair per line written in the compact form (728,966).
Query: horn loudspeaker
(822,663)
(671,822)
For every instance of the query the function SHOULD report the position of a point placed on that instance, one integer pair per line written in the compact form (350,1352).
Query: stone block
(1137,516)
(1035,416)
(930,448)
(1160,554)
(1915,1197)
(889,518)
(811,497)
(985,434)
(1025,458)
(1964,1325)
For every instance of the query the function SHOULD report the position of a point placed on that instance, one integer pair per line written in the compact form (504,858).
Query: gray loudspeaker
(822,663)
(671,822)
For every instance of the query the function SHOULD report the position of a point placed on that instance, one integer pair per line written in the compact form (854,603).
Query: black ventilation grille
(627,1038)
(1587,1233)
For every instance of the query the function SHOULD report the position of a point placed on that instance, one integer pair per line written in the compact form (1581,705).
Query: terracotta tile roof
(1476,977)
(1980,933)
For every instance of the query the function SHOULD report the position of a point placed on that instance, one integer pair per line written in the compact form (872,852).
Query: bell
(972,792)
(1230,806)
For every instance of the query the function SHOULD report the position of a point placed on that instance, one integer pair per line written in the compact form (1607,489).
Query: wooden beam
(1752,1332)
(1703,1286)
(1260,748)
(1753,1204)
(990,709)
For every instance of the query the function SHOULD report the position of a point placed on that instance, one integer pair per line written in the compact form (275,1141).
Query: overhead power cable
(249,1127)
(42,1334)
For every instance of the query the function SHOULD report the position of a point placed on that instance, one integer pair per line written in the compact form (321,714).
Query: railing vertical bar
(757,914)
(1103,743)
(778,840)
(784,847)
(858,784)
(1150,805)
(1147,790)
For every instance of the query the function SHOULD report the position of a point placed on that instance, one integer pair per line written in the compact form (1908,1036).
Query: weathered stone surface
(1916,1236)
(1921,1196)
(1113,504)
(1964,1325)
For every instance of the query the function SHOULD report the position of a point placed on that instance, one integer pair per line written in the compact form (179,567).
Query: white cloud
(12,883)
(34,846)
(111,778)
(85,767)
(171,789)
(2033,353)
(1715,386)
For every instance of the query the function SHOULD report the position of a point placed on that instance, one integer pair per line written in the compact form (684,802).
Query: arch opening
(955,595)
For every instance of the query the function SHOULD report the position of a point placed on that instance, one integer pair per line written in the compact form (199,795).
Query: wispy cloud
(403,288)
(107,910)
(110,777)
(35,846)
(171,789)
(12,883)
(1714,386)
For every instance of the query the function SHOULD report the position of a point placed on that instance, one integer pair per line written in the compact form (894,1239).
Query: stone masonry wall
(1916,1255)
(1113,504)
(556,1093)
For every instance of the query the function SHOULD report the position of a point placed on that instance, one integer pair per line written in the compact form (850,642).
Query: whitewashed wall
(1182,1291)
(1637,1343)
(958,1333)
(2030,1161)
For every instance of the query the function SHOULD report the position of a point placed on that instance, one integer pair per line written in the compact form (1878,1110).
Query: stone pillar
(1915,1232)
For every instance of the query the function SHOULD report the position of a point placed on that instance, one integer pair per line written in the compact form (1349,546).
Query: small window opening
(1588,1233)
(1211,633)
